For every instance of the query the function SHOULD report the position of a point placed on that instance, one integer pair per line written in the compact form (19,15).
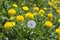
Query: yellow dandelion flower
(50,18)
(7,25)
(55,7)
(20,18)
(58,20)
(58,30)
(29,15)
(25,8)
(11,12)
(45,8)
(50,3)
(14,5)
(53,0)
(11,18)
(41,12)
(12,24)
(50,15)
(35,5)
(48,24)
(58,11)
(36,8)
(34,14)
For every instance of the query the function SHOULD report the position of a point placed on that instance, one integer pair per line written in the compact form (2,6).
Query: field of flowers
(29,19)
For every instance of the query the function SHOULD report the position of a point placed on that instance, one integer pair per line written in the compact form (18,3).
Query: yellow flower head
(58,20)
(45,8)
(11,12)
(35,14)
(20,18)
(50,18)
(36,8)
(48,24)
(58,11)
(25,8)
(58,30)
(14,5)
(50,3)
(12,24)
(11,18)
(50,15)
(41,12)
(29,15)
(7,25)
(35,5)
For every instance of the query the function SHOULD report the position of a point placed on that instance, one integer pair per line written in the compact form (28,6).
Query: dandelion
(58,11)
(35,5)
(12,24)
(50,15)
(58,30)
(58,20)
(29,15)
(45,8)
(20,18)
(31,24)
(11,18)
(36,8)
(25,8)
(50,18)
(41,12)
(14,5)
(48,24)
(50,3)
(35,14)
(11,11)
(7,25)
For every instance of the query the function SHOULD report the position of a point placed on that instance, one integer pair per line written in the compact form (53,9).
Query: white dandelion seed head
(31,24)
